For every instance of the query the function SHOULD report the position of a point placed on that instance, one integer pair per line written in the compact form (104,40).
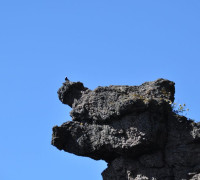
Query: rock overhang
(114,121)
(133,128)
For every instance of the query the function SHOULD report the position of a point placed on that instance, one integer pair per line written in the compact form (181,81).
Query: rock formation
(132,128)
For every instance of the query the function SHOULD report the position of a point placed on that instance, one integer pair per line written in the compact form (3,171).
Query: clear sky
(97,42)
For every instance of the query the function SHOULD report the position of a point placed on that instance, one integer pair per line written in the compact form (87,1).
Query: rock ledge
(132,128)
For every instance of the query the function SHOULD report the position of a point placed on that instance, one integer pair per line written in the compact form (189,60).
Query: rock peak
(132,128)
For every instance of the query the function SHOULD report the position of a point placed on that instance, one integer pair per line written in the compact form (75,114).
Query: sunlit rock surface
(133,129)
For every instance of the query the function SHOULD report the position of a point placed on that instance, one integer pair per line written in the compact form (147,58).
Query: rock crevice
(132,128)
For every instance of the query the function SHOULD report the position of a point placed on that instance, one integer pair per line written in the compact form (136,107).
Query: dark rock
(132,128)
(111,102)
(71,91)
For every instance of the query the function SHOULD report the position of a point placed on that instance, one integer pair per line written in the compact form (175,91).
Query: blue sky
(95,42)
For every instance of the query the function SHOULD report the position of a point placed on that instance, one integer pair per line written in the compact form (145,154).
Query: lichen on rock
(132,128)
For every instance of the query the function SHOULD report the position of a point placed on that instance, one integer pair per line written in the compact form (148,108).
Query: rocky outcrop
(132,128)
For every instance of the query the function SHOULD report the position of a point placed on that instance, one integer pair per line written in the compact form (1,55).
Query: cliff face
(133,129)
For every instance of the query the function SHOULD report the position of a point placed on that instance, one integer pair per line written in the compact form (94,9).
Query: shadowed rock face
(133,129)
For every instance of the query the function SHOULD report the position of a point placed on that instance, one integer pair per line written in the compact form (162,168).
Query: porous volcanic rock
(132,128)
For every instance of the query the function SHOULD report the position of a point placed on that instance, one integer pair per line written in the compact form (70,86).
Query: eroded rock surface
(133,129)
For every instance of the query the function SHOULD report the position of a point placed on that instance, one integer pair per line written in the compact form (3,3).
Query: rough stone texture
(132,128)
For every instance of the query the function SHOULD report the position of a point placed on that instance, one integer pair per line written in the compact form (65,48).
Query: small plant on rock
(179,109)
